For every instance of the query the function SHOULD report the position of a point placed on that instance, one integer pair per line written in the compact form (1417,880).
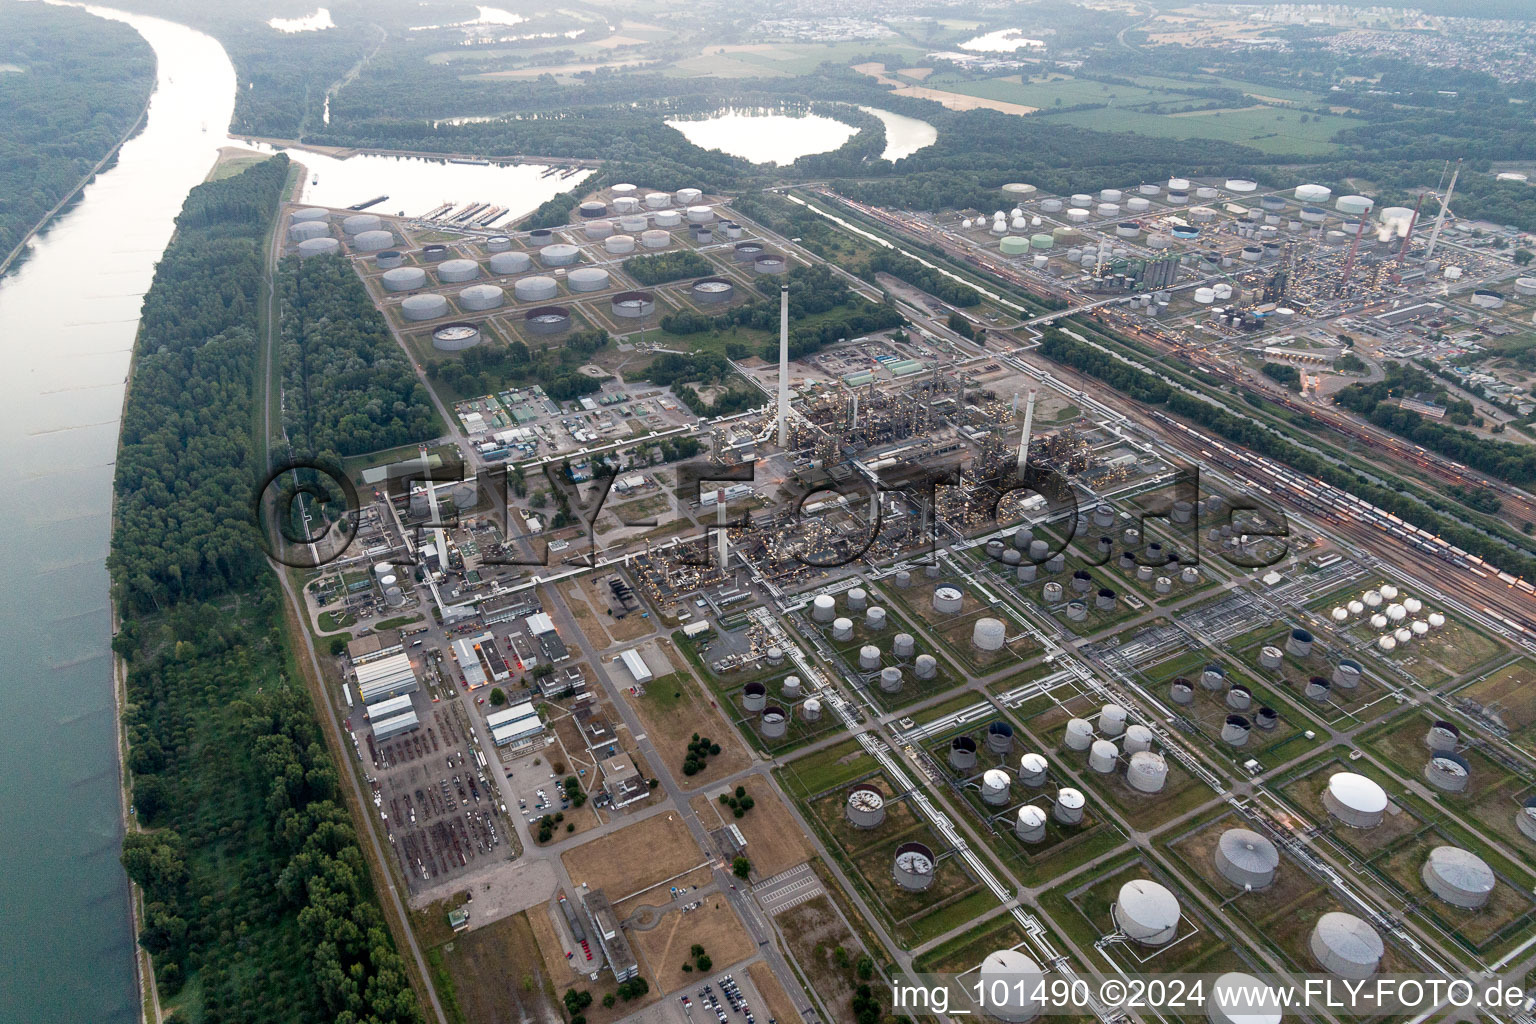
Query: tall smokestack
(1029,422)
(1445,204)
(784,366)
(721,553)
(1408,235)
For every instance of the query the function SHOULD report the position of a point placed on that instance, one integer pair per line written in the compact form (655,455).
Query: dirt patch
(951,100)
(916,74)
(774,842)
(713,926)
(586,618)
(779,1006)
(671,721)
(813,930)
(624,862)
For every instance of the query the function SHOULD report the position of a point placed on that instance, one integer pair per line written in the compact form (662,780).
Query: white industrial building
(516,724)
(388,728)
(623,782)
(469,661)
(389,708)
(636,666)
(386,677)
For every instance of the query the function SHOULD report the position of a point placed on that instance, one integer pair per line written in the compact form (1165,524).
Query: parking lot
(437,802)
(697,1009)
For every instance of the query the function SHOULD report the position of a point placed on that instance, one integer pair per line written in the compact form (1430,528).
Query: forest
(486,369)
(662,267)
(257,901)
(74,85)
(348,388)
(184,466)
(1153,390)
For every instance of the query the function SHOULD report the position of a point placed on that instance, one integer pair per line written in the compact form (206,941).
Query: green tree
(741,867)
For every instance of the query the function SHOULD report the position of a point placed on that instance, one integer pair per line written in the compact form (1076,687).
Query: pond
(765,138)
(903,135)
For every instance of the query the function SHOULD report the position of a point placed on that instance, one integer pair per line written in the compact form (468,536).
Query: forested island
(258,905)
(71,86)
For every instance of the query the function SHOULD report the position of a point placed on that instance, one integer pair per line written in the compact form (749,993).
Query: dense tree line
(946,289)
(184,467)
(257,899)
(661,267)
(348,388)
(552,213)
(1153,390)
(1283,373)
(486,369)
(74,85)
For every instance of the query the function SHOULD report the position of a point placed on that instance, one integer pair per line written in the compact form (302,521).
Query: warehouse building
(542,628)
(389,708)
(516,725)
(636,666)
(623,782)
(605,925)
(465,649)
(393,726)
(387,677)
(371,648)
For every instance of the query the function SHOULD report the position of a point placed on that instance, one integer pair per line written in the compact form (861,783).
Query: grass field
(781,59)
(774,841)
(713,926)
(673,712)
(609,863)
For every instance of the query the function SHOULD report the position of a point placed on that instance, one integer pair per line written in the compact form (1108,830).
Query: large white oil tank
(1459,877)
(1247,859)
(869,658)
(1112,720)
(322,246)
(865,807)
(946,600)
(1238,998)
(1030,826)
(1069,806)
(994,786)
(1102,756)
(1033,769)
(824,608)
(534,288)
(1147,772)
(988,634)
(913,867)
(1017,981)
(1346,945)
(403,279)
(1355,800)
(424,307)
(842,629)
(1137,738)
(505,263)
(1146,912)
(1079,734)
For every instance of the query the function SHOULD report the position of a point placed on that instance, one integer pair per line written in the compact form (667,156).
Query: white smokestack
(784,366)
(1029,422)
(721,553)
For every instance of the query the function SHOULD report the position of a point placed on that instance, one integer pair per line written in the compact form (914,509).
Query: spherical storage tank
(1238,998)
(988,634)
(1147,772)
(994,786)
(1246,858)
(1346,945)
(318,247)
(303,229)
(1013,245)
(360,222)
(1012,983)
(1459,877)
(1355,800)
(457,270)
(424,307)
(913,867)
(403,279)
(633,305)
(481,296)
(536,288)
(865,807)
(587,279)
(503,263)
(455,338)
(559,254)
(1146,912)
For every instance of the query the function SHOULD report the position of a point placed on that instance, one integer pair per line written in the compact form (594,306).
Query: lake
(778,139)
(1004,40)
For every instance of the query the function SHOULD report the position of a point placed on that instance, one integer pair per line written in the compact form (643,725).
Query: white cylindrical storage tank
(1069,806)
(308,214)
(360,222)
(947,600)
(456,271)
(1146,912)
(1112,720)
(988,634)
(874,619)
(1180,692)
(1448,772)
(535,288)
(559,254)
(1459,877)
(1443,736)
(498,243)
(995,784)
(587,279)
(601,228)
(1033,769)
(1238,998)
(926,666)
(1082,200)
(1205,296)
(774,723)
(323,246)
(686,196)
(1347,674)
(865,807)
(999,737)
(904,645)
(1108,209)
(810,710)
(791,688)
(1030,825)
(700,214)
(913,867)
(626,204)
(1077,611)
(403,279)
(1213,677)
(657,200)
(625,243)
(1147,772)
(1137,738)
(303,229)
(824,608)
(1246,859)
(1525,818)
(504,263)
(633,225)
(1355,800)
(424,307)
(842,629)
(655,238)
(480,297)
(1013,983)
(1353,206)
(890,679)
(394,597)
(858,599)
(869,657)
(668,218)
(1079,735)
(1102,756)
(389,259)
(1346,945)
